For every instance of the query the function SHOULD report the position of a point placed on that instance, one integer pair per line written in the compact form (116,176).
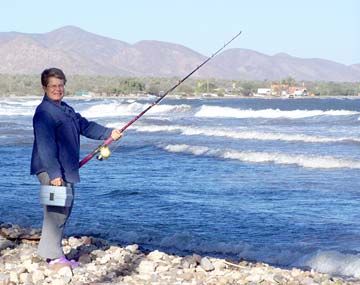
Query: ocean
(270,180)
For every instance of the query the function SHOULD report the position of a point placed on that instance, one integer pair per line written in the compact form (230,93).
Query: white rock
(37,275)
(57,282)
(156,255)
(295,272)
(113,249)
(24,277)
(307,281)
(118,256)
(206,264)
(14,277)
(257,271)
(163,268)
(132,248)
(105,259)
(66,274)
(254,278)
(4,278)
(74,242)
(26,254)
(176,260)
(188,262)
(91,267)
(219,265)
(9,266)
(146,267)
(187,276)
(20,269)
(66,249)
(223,280)
(237,275)
(30,267)
(47,271)
(98,253)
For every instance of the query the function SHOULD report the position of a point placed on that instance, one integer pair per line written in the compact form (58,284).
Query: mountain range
(80,52)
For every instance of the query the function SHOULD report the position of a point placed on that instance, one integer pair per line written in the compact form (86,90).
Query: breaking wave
(243,134)
(333,262)
(134,108)
(306,161)
(227,112)
(18,107)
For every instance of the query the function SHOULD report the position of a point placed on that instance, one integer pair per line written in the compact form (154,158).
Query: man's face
(55,89)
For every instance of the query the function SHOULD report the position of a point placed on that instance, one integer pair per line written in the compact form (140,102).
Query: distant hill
(248,64)
(79,52)
(355,67)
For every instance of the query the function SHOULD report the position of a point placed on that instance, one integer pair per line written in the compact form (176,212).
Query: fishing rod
(104,150)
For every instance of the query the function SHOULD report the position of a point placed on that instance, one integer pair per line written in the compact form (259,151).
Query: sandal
(72,263)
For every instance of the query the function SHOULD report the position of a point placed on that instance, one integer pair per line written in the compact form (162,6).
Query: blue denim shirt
(57,130)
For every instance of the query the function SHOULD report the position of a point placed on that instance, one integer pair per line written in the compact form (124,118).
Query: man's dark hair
(52,72)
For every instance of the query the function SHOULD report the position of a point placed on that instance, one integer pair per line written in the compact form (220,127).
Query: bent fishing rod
(103,149)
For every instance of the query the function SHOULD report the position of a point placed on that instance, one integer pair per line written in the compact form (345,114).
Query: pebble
(156,255)
(146,267)
(37,276)
(206,264)
(66,274)
(105,263)
(132,248)
(188,262)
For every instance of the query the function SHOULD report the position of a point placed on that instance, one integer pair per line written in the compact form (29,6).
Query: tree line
(22,85)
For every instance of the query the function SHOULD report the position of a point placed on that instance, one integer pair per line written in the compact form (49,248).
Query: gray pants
(53,225)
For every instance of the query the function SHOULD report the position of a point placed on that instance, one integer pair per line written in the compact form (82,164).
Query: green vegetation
(335,88)
(22,85)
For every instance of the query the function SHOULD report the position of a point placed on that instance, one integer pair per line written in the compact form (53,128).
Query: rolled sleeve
(93,130)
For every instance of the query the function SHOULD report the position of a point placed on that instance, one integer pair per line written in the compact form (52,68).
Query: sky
(328,29)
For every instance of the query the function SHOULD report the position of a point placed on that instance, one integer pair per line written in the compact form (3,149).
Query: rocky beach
(104,263)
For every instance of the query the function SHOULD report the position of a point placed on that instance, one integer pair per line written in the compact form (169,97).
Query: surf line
(103,149)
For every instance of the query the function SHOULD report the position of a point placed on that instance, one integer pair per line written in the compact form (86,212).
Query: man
(55,156)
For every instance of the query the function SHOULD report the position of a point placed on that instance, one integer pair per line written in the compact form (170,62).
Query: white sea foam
(111,110)
(306,161)
(16,110)
(34,102)
(20,107)
(242,134)
(330,262)
(335,263)
(131,109)
(227,112)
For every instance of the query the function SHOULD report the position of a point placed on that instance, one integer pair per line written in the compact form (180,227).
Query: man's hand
(57,182)
(116,134)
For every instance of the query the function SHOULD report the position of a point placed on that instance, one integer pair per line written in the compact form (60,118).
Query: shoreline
(179,97)
(103,262)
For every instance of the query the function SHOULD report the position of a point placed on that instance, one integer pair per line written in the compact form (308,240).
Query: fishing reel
(104,152)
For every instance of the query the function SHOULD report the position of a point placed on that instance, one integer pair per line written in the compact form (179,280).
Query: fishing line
(103,149)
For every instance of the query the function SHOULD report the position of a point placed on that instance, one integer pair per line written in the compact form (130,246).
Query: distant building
(279,89)
(263,91)
(283,90)
(298,91)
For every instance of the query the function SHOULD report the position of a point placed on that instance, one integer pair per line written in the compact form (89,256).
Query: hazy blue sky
(328,29)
